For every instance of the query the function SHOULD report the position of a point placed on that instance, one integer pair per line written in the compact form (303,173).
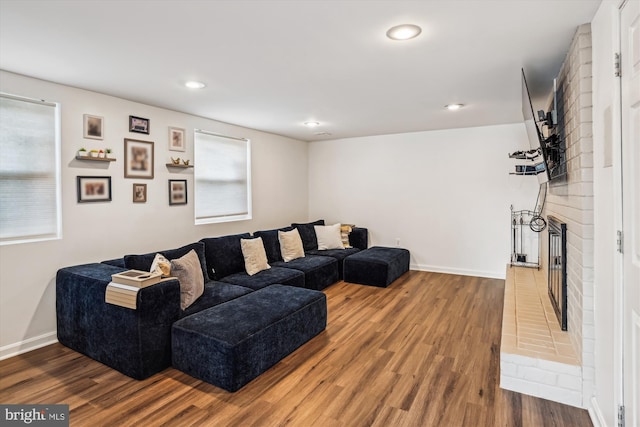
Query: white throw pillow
(161,265)
(290,245)
(255,257)
(329,237)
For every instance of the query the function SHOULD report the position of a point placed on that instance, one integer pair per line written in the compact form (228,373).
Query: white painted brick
(507,368)
(588,359)
(588,374)
(570,382)
(537,375)
(573,398)
(560,368)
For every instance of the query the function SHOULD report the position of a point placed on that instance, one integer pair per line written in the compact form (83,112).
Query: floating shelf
(173,165)
(95,159)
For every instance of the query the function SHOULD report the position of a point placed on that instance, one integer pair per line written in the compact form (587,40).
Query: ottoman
(232,343)
(376,266)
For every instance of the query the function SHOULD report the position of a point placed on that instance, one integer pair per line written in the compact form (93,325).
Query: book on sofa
(122,295)
(137,278)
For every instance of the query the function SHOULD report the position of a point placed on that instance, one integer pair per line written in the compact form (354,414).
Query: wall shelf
(173,165)
(95,159)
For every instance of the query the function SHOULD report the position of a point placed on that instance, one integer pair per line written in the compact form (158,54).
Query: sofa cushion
(329,237)
(187,270)
(290,245)
(143,262)
(255,258)
(232,343)
(271,243)
(337,254)
(284,276)
(319,271)
(215,293)
(308,234)
(224,255)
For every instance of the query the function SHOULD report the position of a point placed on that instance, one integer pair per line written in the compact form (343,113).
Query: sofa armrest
(134,342)
(359,238)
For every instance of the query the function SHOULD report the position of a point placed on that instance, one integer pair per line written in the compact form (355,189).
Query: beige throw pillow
(189,272)
(290,245)
(161,265)
(255,257)
(329,237)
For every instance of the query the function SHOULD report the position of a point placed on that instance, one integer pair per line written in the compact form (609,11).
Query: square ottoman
(232,343)
(376,266)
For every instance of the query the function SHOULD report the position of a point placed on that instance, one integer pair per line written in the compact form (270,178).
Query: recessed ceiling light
(312,124)
(454,107)
(194,84)
(404,32)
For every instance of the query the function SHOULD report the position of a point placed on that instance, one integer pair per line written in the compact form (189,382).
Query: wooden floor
(423,352)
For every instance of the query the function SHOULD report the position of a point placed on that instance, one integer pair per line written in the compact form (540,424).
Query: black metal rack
(526,226)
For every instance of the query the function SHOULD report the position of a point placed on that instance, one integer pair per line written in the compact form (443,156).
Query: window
(29,170)
(222,178)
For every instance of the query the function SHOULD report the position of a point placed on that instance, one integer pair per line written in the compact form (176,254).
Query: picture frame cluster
(139,162)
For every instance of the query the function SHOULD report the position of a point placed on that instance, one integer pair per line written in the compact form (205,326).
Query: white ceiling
(273,65)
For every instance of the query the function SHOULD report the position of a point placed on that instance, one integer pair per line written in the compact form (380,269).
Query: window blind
(222,174)
(29,170)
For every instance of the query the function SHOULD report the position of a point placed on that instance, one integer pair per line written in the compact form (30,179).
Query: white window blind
(29,170)
(222,174)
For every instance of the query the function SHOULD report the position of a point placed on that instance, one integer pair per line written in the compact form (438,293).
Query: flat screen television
(536,140)
(551,164)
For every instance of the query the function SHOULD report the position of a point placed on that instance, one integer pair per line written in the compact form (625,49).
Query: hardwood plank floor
(423,352)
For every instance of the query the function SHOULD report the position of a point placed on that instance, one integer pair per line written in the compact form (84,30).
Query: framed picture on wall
(177,192)
(177,140)
(139,125)
(94,189)
(138,159)
(93,126)
(139,193)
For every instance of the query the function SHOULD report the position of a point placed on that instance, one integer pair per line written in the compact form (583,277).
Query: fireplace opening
(557,280)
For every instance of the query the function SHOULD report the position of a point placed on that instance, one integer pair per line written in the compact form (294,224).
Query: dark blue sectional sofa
(138,342)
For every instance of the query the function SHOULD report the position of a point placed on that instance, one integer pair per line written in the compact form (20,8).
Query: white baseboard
(459,271)
(20,347)
(596,414)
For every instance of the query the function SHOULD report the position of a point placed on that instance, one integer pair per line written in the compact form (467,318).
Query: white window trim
(226,218)
(58,174)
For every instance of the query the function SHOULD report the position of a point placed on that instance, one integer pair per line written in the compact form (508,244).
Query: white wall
(605,116)
(444,194)
(97,231)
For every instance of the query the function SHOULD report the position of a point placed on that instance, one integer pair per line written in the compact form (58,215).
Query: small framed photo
(94,189)
(177,139)
(93,127)
(138,125)
(177,192)
(138,159)
(139,193)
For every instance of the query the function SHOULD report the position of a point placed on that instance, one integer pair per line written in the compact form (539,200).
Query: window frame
(56,234)
(248,183)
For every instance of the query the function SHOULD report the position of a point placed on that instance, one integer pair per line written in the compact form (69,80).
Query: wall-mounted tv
(533,132)
(551,162)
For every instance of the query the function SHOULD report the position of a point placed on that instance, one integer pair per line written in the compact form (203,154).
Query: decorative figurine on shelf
(175,161)
(186,162)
